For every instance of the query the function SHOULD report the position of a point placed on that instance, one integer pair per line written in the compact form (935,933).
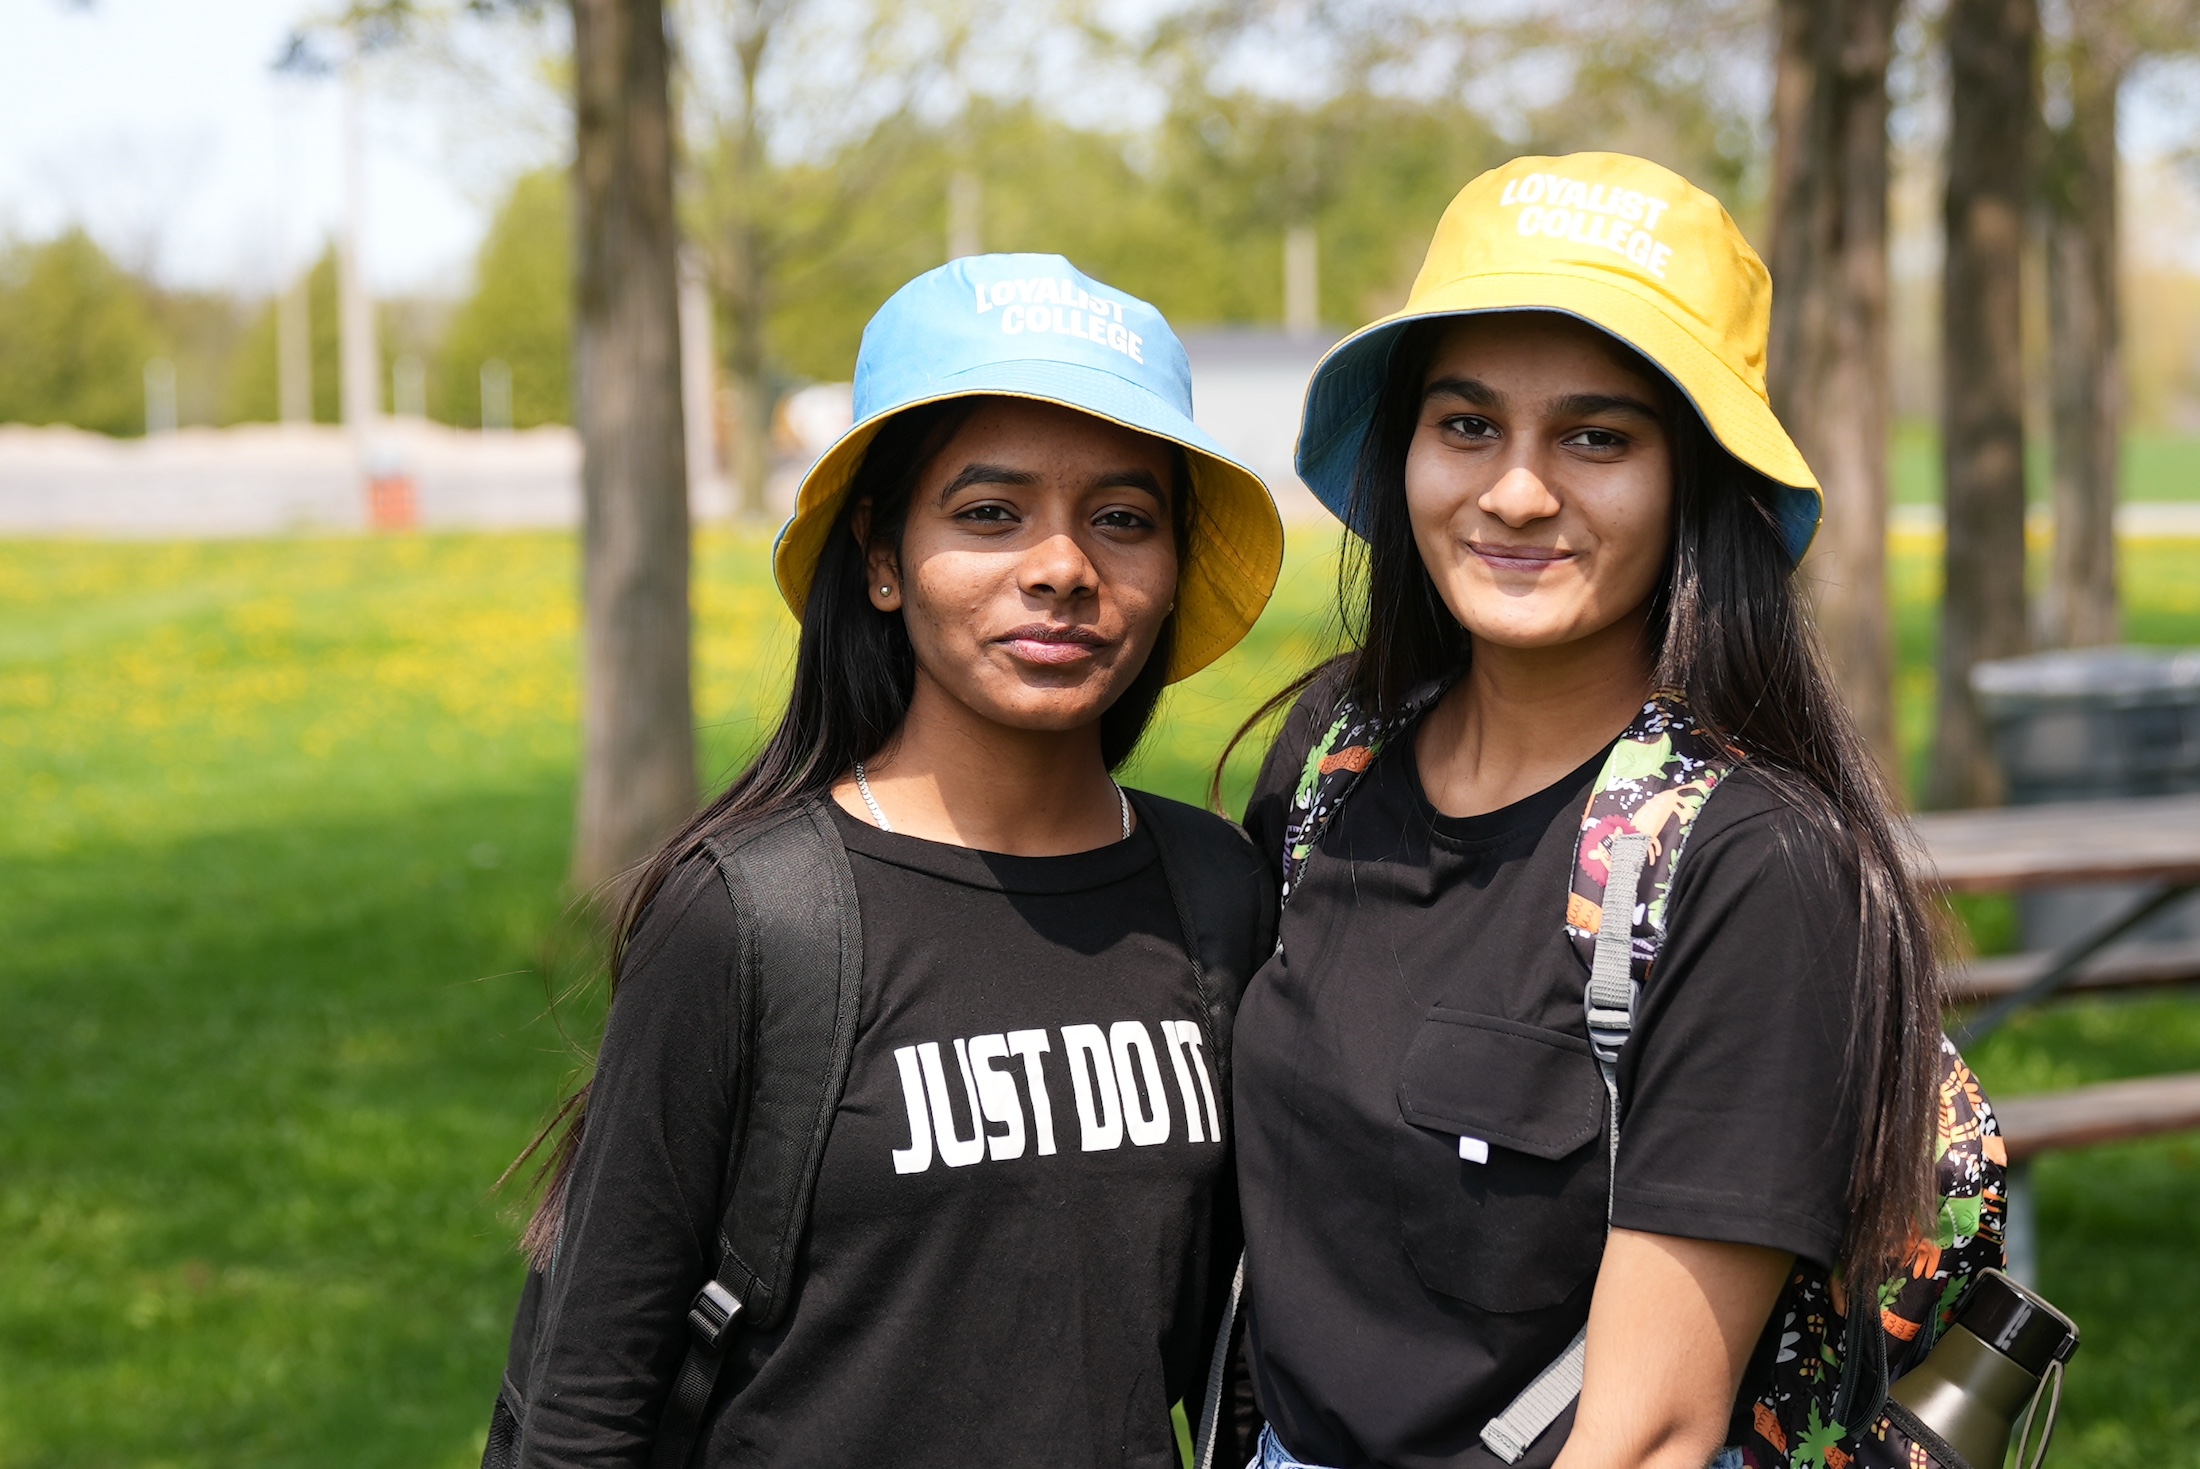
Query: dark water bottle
(2003,1354)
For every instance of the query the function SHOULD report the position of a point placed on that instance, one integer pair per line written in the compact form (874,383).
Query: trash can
(2091,724)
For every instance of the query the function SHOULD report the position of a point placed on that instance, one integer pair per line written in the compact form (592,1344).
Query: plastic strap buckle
(710,1315)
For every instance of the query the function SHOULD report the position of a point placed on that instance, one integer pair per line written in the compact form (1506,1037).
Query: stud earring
(886,591)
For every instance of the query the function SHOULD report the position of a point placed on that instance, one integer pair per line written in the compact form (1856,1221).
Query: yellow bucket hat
(1619,242)
(1034,326)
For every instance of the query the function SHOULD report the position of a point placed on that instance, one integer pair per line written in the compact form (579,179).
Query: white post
(496,396)
(360,357)
(1301,282)
(709,497)
(160,397)
(965,214)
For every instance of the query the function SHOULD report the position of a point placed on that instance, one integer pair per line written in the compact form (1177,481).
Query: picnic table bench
(2150,840)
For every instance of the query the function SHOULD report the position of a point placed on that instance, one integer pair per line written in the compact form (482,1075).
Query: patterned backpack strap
(1653,785)
(1334,766)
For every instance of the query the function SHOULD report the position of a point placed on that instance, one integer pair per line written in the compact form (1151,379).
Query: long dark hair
(854,675)
(1731,636)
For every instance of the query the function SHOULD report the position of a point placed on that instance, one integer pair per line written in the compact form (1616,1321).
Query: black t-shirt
(1400,1295)
(1011,1256)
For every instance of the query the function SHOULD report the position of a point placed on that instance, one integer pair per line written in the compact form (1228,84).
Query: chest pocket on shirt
(1524,1229)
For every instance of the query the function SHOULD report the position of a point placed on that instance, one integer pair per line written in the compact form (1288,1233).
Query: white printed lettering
(1630,205)
(1576,194)
(1012,320)
(955,1151)
(1638,246)
(1049,290)
(1031,1045)
(1172,1036)
(1191,1035)
(997,1095)
(1512,187)
(1092,1078)
(983,304)
(1118,338)
(1657,207)
(1023,289)
(918,1155)
(1135,340)
(1658,257)
(1532,187)
(1146,1121)
(1531,219)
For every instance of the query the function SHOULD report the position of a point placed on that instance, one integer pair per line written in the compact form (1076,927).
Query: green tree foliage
(520,312)
(76,331)
(1192,220)
(252,393)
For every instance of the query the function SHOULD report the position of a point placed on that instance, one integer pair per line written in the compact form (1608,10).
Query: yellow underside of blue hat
(1236,537)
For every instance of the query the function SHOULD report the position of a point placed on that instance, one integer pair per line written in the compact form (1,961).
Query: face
(1539,480)
(1037,564)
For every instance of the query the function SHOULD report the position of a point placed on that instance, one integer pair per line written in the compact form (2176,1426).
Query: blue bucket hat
(1034,326)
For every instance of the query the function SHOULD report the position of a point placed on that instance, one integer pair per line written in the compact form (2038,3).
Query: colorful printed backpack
(1822,1406)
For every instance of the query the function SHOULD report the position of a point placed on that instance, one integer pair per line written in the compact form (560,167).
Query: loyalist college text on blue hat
(1007,323)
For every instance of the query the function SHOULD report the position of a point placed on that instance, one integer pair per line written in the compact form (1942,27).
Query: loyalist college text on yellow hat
(1621,243)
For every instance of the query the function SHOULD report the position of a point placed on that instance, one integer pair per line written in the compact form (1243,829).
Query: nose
(1519,498)
(1058,569)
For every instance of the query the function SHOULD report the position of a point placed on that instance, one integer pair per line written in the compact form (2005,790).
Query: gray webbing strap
(1611,1006)
(1218,1372)
(1539,1404)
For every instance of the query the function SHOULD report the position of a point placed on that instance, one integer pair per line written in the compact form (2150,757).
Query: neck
(950,775)
(1524,718)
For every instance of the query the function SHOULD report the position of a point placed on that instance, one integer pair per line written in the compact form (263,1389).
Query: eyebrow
(1473,390)
(1133,479)
(986,474)
(1590,405)
(1573,405)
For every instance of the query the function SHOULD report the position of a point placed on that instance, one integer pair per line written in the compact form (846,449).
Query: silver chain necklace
(863,788)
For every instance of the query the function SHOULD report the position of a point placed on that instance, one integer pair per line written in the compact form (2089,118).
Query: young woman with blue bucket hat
(1601,1042)
(907,1142)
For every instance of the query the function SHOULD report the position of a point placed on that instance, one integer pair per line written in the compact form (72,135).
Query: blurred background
(303,804)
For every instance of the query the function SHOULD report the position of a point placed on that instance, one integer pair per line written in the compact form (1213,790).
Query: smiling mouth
(1519,558)
(1041,642)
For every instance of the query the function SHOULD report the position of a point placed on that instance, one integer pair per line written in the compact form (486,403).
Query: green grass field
(279,921)
(2157,466)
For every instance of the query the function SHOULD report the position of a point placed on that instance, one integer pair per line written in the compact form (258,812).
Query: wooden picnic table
(2002,848)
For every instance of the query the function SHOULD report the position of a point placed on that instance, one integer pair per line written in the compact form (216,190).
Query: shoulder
(1218,873)
(1760,813)
(688,920)
(1187,831)
(1764,843)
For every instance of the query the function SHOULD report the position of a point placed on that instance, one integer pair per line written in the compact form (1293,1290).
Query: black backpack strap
(1212,869)
(800,975)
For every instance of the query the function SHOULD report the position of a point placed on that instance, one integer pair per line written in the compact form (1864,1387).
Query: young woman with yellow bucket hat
(907,1141)
(1537,1120)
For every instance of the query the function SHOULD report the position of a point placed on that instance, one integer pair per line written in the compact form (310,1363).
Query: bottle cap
(2017,1323)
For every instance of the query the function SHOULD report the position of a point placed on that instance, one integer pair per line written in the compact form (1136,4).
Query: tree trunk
(2085,367)
(637,722)
(1990,62)
(1828,360)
